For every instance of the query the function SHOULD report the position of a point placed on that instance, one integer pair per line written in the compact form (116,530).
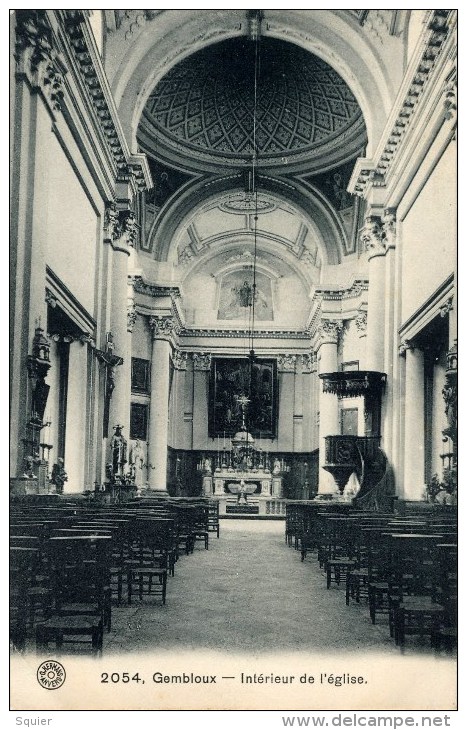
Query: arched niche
(227,277)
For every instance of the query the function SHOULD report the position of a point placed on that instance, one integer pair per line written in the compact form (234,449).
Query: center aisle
(248,592)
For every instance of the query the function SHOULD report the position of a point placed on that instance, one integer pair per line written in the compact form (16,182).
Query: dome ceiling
(200,114)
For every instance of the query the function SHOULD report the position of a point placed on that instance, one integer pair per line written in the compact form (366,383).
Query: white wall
(429,236)
(71,228)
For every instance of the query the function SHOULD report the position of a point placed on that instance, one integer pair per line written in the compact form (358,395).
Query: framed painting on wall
(231,378)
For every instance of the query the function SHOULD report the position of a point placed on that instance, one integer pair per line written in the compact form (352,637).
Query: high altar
(242,480)
(249,492)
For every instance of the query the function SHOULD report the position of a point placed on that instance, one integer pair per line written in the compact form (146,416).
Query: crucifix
(243,402)
(110,362)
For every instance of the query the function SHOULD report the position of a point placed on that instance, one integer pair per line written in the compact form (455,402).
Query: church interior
(233,317)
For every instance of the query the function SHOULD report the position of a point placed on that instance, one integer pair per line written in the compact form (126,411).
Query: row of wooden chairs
(405,568)
(68,561)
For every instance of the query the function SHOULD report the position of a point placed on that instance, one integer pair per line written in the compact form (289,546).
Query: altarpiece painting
(232,378)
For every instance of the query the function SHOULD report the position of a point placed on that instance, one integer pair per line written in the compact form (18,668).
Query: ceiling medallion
(247,203)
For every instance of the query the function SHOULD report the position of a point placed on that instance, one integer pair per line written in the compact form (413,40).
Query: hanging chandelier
(254,18)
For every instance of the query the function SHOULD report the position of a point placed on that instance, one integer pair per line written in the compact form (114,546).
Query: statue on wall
(59,475)
(136,461)
(118,450)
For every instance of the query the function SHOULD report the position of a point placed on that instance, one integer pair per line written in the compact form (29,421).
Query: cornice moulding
(428,310)
(141,286)
(129,167)
(424,63)
(243,333)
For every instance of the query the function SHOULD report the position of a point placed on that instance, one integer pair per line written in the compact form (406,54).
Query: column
(328,332)
(373,237)
(450,389)
(414,432)
(120,227)
(162,328)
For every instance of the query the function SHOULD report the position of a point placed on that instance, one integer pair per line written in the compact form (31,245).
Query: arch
(333,35)
(273,247)
(193,195)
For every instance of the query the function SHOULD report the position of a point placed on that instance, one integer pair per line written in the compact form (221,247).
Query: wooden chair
(412,586)
(79,565)
(147,566)
(71,630)
(200,524)
(213,517)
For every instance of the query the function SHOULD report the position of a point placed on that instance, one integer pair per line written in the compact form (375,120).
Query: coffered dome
(200,113)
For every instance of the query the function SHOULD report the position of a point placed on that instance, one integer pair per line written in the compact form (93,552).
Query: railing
(377,493)
(275,507)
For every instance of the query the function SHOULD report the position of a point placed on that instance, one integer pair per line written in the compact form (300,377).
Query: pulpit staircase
(363,456)
(377,485)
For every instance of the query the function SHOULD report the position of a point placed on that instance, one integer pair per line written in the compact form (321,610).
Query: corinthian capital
(179,359)
(201,360)
(131,316)
(308,362)
(446,307)
(406,345)
(161,326)
(110,221)
(36,57)
(329,331)
(373,237)
(286,363)
(361,322)
(389,227)
(125,229)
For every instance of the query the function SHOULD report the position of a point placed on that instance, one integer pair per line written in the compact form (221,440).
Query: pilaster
(201,368)
(161,327)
